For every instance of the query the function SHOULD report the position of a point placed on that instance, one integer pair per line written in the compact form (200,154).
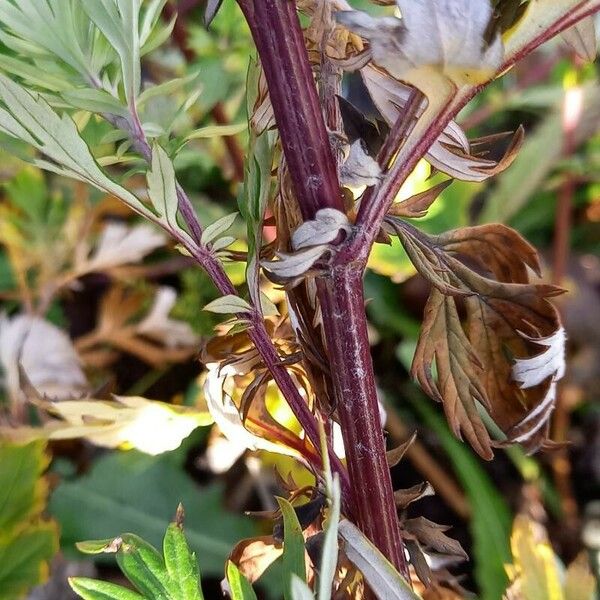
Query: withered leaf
(507,354)
(432,536)
(581,38)
(397,454)
(409,495)
(417,206)
(253,556)
(459,372)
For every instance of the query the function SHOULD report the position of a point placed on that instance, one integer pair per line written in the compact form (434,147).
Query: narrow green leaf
(143,565)
(293,547)
(93,589)
(214,230)
(118,20)
(181,564)
(329,557)
(300,590)
(28,117)
(378,571)
(162,187)
(212,131)
(95,101)
(229,304)
(240,587)
(109,545)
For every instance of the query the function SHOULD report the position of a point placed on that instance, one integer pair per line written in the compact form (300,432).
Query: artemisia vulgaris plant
(491,346)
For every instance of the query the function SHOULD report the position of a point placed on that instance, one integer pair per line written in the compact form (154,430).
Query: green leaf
(92,589)
(181,564)
(118,20)
(143,565)
(329,557)
(293,547)
(131,491)
(229,304)
(22,493)
(162,188)
(378,571)
(24,558)
(240,587)
(211,131)
(95,101)
(28,117)
(300,590)
(27,543)
(214,230)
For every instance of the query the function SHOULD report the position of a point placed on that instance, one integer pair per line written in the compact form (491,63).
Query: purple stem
(295,102)
(278,37)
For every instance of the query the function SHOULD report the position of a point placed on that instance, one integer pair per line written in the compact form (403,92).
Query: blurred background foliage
(50,229)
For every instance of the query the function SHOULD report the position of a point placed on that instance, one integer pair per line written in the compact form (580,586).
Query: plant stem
(280,44)
(343,306)
(279,40)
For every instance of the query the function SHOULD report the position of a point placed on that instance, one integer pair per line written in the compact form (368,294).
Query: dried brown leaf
(253,556)
(397,454)
(432,536)
(417,206)
(409,495)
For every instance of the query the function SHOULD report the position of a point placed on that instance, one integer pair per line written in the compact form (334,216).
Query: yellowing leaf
(535,573)
(128,422)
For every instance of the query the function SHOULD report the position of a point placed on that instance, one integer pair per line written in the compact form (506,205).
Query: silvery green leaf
(164,89)
(294,265)
(268,309)
(445,34)
(28,117)
(378,571)
(162,189)
(32,74)
(323,229)
(215,131)
(118,20)
(47,25)
(150,18)
(95,101)
(300,590)
(215,229)
(329,556)
(229,304)
(222,243)
(359,168)
(581,38)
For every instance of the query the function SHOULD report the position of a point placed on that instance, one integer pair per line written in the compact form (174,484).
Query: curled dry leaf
(451,153)
(237,388)
(409,495)
(417,206)
(120,244)
(359,168)
(310,241)
(581,38)
(45,353)
(158,325)
(432,537)
(491,359)
(446,36)
(253,556)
